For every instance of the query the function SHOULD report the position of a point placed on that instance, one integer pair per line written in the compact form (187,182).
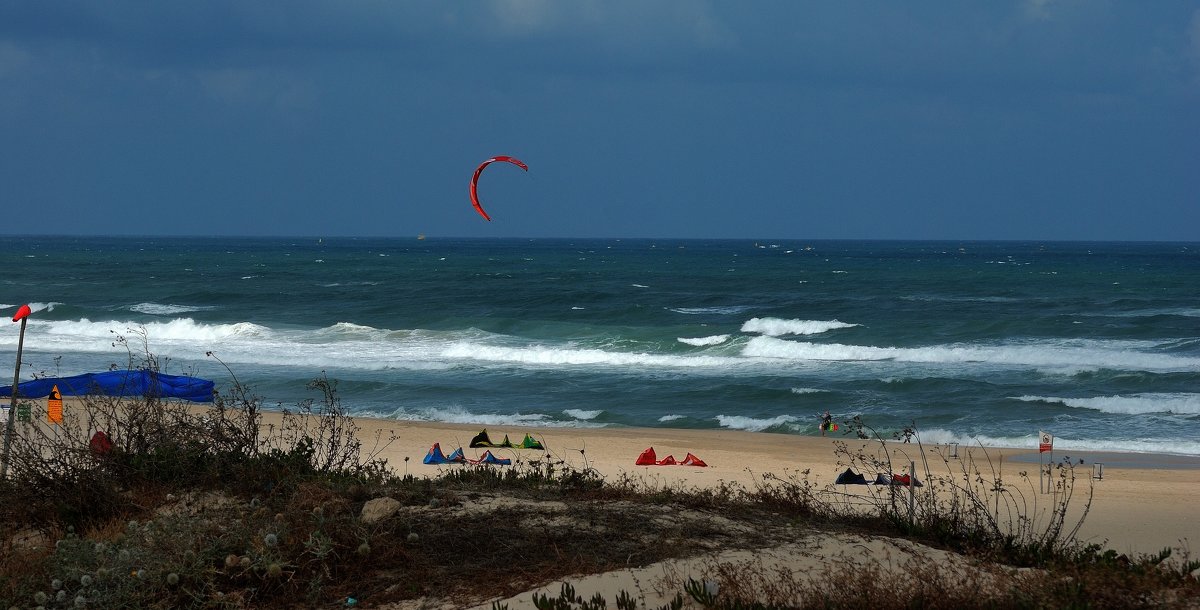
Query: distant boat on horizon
(420,236)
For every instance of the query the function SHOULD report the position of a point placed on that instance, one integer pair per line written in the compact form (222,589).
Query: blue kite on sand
(435,456)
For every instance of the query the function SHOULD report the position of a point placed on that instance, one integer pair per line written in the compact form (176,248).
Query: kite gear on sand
(648,458)
(482,440)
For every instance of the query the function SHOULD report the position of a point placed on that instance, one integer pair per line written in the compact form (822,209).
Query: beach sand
(1142,504)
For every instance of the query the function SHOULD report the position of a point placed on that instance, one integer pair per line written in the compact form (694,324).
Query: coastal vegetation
(211,508)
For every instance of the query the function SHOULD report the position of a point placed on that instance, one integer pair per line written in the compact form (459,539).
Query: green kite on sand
(482,440)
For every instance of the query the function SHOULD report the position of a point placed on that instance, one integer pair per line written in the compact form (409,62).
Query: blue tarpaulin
(118,383)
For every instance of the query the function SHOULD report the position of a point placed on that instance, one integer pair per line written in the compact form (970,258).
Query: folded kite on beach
(488,458)
(897,479)
(482,440)
(849,477)
(648,458)
(436,457)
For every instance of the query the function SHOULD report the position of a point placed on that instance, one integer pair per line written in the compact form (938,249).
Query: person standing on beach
(826,422)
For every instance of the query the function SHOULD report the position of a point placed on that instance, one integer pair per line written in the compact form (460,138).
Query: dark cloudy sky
(1028,119)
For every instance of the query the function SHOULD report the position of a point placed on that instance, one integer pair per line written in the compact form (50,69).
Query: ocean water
(971,342)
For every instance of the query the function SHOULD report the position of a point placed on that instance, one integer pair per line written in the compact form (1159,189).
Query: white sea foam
(1062,443)
(459,415)
(161,309)
(667,418)
(545,355)
(512,424)
(807,391)
(739,422)
(1134,404)
(704,341)
(1188,312)
(581,414)
(775,327)
(179,329)
(1073,355)
(697,311)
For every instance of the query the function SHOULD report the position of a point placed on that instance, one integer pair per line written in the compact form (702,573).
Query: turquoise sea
(973,342)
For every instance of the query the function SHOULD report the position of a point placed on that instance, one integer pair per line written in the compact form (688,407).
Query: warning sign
(1045,442)
(54,407)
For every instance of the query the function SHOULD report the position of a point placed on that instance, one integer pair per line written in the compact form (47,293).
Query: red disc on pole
(23,312)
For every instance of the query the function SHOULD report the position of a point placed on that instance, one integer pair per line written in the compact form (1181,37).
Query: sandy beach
(1142,504)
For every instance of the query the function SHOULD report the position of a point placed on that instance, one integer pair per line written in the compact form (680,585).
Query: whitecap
(161,309)
(555,356)
(1133,404)
(704,341)
(774,327)
(741,422)
(581,414)
(1073,355)
(697,311)
(459,415)
(937,436)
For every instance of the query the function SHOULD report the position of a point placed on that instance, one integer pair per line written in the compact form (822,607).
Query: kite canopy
(482,440)
(648,458)
(435,456)
(849,477)
(475,180)
(488,458)
(119,383)
(897,479)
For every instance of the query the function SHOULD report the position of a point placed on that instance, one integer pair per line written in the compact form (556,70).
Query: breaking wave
(159,309)
(541,355)
(1114,355)
(807,391)
(704,341)
(1134,404)
(751,424)
(939,436)
(581,414)
(775,327)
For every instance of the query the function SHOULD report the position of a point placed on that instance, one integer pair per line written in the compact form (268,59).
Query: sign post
(54,407)
(1045,443)
(22,316)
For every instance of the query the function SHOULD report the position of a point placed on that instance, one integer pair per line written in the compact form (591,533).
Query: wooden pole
(12,406)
